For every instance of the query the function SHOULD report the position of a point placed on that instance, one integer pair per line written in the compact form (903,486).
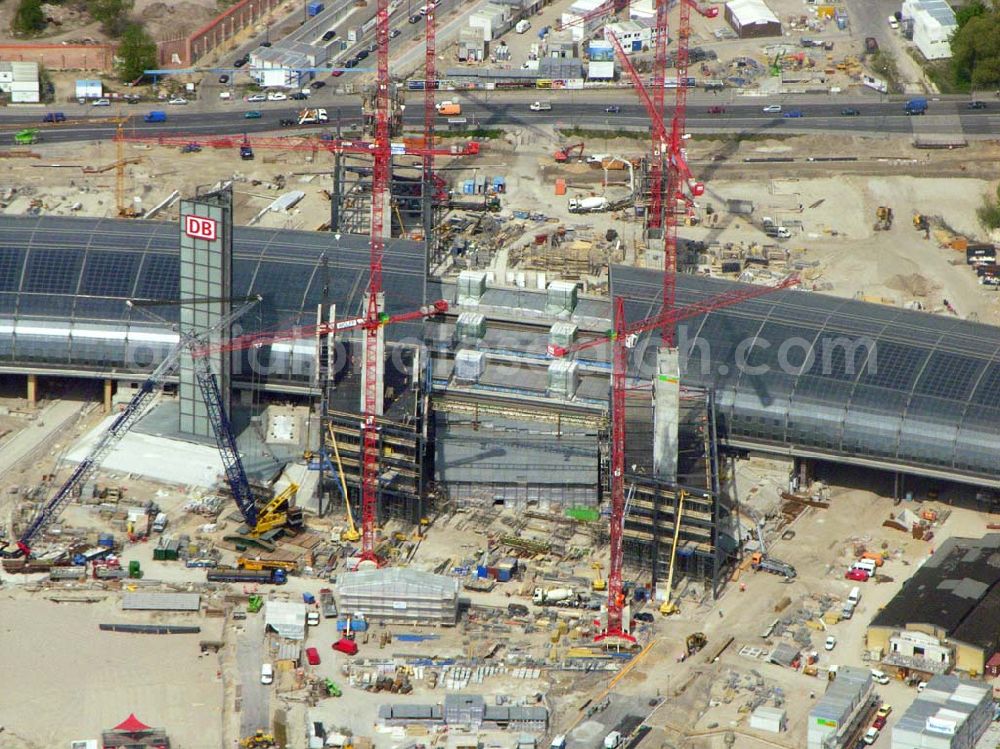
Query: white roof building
(20,81)
(951,713)
(287,618)
(572,18)
(933,24)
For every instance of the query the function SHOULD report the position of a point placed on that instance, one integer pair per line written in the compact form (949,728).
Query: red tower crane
(623,338)
(430,110)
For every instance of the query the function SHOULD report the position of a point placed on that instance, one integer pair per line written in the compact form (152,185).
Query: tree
(29,18)
(966,13)
(136,53)
(975,48)
(112,14)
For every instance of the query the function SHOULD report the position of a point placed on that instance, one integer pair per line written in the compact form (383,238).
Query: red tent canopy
(132,725)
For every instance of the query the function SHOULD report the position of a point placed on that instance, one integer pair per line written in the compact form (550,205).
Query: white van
(266,673)
(225,95)
(559,742)
(880,676)
(612,740)
(522,26)
(868,565)
(893,23)
(854,597)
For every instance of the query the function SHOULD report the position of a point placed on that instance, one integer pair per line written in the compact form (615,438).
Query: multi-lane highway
(583,109)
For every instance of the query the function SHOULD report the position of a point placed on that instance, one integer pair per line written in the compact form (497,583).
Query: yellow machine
(352,534)
(265,564)
(598,583)
(883,218)
(920,222)
(260,740)
(276,513)
(668,607)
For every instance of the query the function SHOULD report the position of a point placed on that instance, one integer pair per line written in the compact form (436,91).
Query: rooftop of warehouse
(952,591)
(751,11)
(946,703)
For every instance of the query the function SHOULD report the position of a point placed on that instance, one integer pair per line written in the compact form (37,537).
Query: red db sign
(197,227)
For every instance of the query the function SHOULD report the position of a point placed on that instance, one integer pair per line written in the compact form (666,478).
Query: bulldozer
(695,642)
(883,218)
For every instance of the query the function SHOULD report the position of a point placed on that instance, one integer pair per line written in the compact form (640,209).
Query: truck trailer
(313,117)
(916,106)
(555,597)
(233,575)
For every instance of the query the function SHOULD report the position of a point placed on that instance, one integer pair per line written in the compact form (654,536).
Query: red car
(879,723)
(716,110)
(312,655)
(856,574)
(336,73)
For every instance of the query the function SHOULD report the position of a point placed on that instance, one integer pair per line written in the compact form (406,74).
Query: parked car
(265,44)
(613,109)
(179,100)
(277,96)
(102,102)
(298,96)
(793,114)
(716,110)
(831,642)
(645,616)
(266,673)
(415,18)
(223,79)
(976,105)
(317,84)
(850,112)
(253,114)
(772,109)
(240,62)
(879,723)
(256,97)
(336,73)
(393,33)
(312,618)
(855,574)
(54,117)
(312,656)
(362,55)
(921,686)
(352,63)
(191,148)
(329,35)
(884,711)
(871,735)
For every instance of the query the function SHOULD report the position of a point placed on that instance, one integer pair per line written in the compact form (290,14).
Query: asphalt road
(499,110)
(255,712)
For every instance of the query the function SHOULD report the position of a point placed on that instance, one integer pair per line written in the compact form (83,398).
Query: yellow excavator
(668,607)
(279,512)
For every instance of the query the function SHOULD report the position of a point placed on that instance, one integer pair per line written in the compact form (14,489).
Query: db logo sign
(197,227)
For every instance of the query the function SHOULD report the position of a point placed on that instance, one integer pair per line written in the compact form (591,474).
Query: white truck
(555,597)
(313,117)
(540,106)
(612,740)
(160,522)
(523,25)
(588,205)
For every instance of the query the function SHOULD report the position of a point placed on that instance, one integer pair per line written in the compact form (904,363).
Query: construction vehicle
(449,108)
(668,606)
(920,222)
(695,642)
(598,584)
(255,604)
(332,689)
(260,740)
(313,117)
(588,205)
(234,575)
(759,561)
(564,154)
(265,564)
(555,597)
(883,218)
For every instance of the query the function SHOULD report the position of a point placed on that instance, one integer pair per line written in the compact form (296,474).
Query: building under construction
(476,411)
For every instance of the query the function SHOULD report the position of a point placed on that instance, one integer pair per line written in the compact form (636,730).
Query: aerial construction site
(360,388)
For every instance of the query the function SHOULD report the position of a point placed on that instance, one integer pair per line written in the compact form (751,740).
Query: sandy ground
(74,680)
